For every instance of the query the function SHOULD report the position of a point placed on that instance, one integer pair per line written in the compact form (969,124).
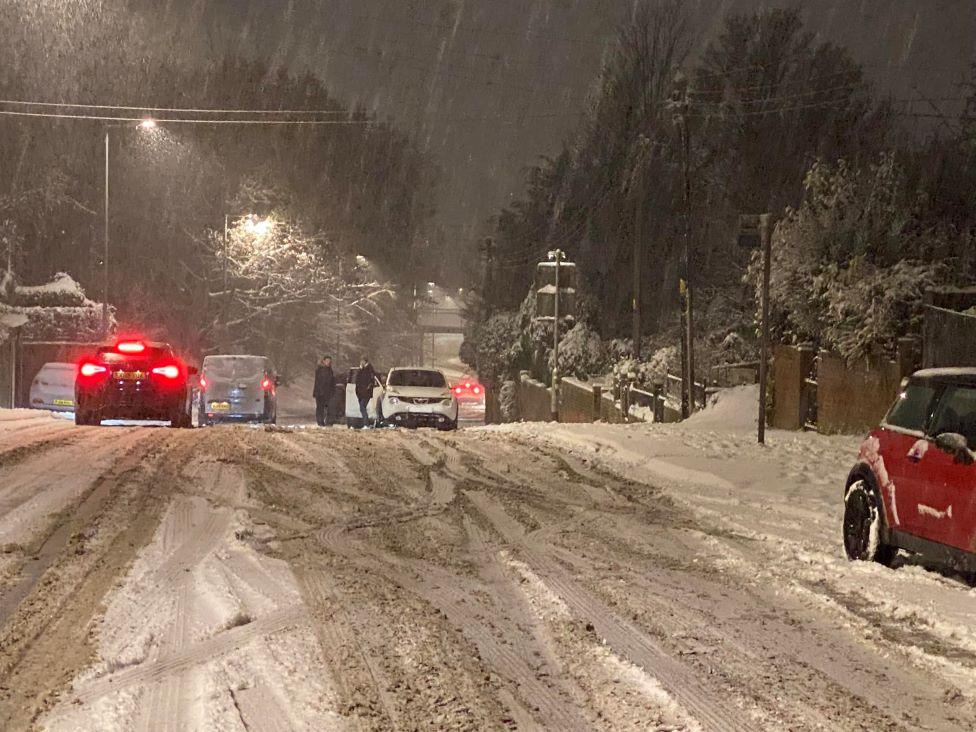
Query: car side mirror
(956,445)
(192,370)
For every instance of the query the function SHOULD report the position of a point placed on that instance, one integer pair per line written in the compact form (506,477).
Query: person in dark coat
(365,381)
(324,390)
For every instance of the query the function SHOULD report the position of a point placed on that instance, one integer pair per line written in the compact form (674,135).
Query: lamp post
(146,124)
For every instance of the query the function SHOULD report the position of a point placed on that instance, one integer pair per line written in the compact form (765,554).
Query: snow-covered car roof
(959,374)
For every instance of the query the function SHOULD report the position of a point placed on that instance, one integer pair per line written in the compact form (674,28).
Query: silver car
(54,387)
(238,389)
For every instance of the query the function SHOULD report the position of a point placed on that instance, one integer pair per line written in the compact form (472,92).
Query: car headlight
(393,400)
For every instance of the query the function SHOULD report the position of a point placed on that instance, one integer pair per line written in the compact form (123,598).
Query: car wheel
(182,420)
(862,526)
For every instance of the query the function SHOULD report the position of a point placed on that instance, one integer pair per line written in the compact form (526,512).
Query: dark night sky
(487,86)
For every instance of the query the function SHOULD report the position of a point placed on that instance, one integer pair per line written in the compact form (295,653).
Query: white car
(418,397)
(54,387)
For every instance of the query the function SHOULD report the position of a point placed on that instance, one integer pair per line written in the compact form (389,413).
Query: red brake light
(265,383)
(457,389)
(203,382)
(167,372)
(477,390)
(91,369)
(131,347)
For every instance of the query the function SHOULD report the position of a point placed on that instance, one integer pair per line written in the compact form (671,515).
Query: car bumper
(35,404)
(428,415)
(116,403)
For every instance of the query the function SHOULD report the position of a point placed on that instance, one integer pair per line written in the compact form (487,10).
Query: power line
(181,110)
(268,122)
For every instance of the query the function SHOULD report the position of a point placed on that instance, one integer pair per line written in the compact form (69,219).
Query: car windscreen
(58,372)
(234,367)
(417,377)
(912,408)
(112,357)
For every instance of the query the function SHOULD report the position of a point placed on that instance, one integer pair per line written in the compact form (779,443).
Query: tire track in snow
(354,670)
(453,596)
(621,635)
(190,656)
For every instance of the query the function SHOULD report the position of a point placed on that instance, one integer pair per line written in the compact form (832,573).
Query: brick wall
(576,402)
(534,400)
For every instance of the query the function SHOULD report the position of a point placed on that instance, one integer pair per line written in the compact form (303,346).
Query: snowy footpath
(780,508)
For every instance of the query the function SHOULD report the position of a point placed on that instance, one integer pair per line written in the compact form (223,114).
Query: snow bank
(732,410)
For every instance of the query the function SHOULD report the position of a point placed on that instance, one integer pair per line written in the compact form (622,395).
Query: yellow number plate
(63,403)
(130,375)
(219,406)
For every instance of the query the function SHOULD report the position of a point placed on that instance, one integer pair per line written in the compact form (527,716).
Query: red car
(914,485)
(468,390)
(133,379)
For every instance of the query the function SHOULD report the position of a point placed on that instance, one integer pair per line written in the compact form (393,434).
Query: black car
(133,379)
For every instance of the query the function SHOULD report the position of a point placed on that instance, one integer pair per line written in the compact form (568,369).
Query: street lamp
(254,225)
(146,124)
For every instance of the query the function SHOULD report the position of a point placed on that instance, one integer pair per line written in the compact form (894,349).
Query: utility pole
(765,233)
(638,261)
(680,104)
(689,288)
(105,248)
(339,317)
(557,255)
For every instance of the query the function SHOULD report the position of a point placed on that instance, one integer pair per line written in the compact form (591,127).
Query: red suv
(914,486)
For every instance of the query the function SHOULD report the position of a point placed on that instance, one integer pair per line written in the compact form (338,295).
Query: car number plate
(419,410)
(219,406)
(63,403)
(130,375)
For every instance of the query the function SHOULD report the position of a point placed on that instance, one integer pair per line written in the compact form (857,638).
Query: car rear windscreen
(111,356)
(417,377)
(234,367)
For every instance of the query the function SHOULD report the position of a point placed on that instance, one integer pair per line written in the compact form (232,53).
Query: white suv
(417,397)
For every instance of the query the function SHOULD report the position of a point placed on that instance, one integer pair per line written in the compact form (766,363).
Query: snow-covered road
(526,576)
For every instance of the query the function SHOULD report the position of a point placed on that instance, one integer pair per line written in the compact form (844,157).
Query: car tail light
(90,370)
(457,389)
(477,390)
(265,383)
(131,347)
(169,371)
(203,382)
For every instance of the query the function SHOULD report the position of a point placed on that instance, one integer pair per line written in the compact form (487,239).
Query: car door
(901,445)
(947,504)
